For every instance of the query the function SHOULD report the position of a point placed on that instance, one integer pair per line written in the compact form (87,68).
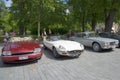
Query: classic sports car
(110,35)
(20,49)
(63,47)
(89,39)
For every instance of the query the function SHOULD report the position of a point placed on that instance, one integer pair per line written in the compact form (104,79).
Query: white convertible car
(63,47)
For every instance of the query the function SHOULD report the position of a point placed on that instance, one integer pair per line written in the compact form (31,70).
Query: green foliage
(88,27)
(58,29)
(30,15)
(2,7)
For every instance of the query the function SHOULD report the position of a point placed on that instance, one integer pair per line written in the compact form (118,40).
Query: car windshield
(55,38)
(86,34)
(16,39)
(92,35)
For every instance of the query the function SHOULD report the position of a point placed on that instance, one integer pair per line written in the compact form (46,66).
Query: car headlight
(81,46)
(61,47)
(37,50)
(106,44)
(117,42)
(6,53)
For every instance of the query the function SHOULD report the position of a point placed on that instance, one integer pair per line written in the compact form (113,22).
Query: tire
(39,58)
(96,47)
(78,56)
(5,62)
(55,53)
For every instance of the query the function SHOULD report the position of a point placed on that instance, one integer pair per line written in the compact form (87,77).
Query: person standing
(6,35)
(13,34)
(5,40)
(49,33)
(44,34)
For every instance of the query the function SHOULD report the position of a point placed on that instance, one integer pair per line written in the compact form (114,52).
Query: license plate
(23,57)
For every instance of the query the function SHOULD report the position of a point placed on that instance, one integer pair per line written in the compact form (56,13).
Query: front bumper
(74,53)
(21,58)
(110,46)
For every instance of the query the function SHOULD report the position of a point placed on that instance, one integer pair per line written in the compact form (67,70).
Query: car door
(84,39)
(48,44)
(87,39)
(79,38)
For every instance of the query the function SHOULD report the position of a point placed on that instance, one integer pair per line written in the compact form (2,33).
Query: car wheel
(55,53)
(96,47)
(39,58)
(5,62)
(78,55)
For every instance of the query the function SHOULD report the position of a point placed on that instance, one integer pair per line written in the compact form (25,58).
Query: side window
(103,35)
(78,35)
(106,35)
(84,35)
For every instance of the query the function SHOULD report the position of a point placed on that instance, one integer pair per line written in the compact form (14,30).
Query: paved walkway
(89,66)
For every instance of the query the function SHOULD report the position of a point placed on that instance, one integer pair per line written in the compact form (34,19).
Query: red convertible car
(21,49)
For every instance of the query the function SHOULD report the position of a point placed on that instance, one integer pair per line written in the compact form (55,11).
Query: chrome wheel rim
(96,47)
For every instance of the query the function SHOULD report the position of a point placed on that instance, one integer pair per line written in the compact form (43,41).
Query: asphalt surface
(90,65)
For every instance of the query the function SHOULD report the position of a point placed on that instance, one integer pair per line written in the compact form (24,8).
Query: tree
(93,11)
(2,8)
(34,15)
(110,16)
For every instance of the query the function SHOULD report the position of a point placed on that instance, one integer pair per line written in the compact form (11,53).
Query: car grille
(22,53)
(112,43)
(74,51)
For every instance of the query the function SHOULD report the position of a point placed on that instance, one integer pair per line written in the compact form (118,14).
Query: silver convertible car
(90,39)
(63,47)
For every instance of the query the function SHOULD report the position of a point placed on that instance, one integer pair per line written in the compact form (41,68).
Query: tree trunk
(109,21)
(38,25)
(93,22)
(83,23)
(21,29)
(21,22)
(25,28)
(110,18)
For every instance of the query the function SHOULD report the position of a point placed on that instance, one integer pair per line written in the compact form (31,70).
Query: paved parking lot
(89,66)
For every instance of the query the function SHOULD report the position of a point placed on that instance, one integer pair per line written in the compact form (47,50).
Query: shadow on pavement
(103,51)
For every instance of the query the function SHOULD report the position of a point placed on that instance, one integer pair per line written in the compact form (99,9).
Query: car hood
(19,47)
(69,45)
(102,39)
